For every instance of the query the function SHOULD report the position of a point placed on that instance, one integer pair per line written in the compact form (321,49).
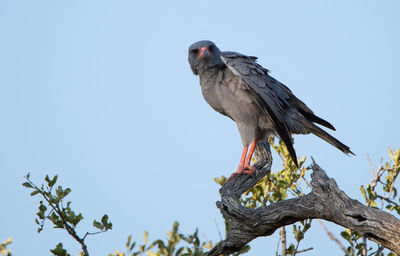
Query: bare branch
(305,250)
(364,250)
(283,236)
(370,165)
(93,233)
(332,236)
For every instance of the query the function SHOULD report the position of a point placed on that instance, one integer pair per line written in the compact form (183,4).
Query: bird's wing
(268,92)
(301,106)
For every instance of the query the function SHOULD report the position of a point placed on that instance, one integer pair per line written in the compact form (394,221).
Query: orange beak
(203,52)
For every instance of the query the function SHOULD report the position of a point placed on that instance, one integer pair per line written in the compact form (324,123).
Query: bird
(236,86)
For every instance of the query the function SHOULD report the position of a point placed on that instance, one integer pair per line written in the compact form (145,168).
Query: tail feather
(315,119)
(329,138)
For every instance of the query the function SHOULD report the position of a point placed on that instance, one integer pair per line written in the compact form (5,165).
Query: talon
(249,169)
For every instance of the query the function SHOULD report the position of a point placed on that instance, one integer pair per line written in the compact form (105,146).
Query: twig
(379,250)
(391,169)
(387,200)
(308,183)
(370,165)
(92,233)
(332,236)
(219,233)
(305,250)
(277,246)
(283,236)
(364,250)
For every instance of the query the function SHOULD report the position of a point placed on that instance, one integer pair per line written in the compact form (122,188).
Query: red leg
(250,155)
(242,160)
(244,165)
(240,168)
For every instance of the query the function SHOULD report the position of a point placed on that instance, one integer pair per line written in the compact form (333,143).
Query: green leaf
(27,184)
(345,235)
(66,192)
(98,225)
(60,192)
(35,192)
(47,179)
(132,246)
(299,236)
(362,189)
(150,253)
(291,249)
(53,181)
(104,220)
(77,219)
(59,224)
(42,207)
(42,210)
(146,237)
(54,218)
(221,180)
(373,203)
(179,251)
(128,243)
(60,251)
(391,155)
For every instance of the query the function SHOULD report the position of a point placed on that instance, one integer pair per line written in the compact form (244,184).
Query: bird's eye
(195,51)
(211,47)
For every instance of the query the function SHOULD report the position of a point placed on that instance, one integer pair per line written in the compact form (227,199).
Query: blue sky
(100,92)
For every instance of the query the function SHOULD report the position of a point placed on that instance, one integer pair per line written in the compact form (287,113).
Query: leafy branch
(192,245)
(381,191)
(60,214)
(3,247)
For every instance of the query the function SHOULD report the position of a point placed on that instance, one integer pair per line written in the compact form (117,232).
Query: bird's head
(203,55)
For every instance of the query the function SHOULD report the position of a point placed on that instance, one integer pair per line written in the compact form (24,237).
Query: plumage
(235,85)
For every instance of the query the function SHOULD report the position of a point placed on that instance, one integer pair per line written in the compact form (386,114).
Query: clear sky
(100,92)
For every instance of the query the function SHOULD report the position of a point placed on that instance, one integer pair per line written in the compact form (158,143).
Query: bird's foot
(249,169)
(244,170)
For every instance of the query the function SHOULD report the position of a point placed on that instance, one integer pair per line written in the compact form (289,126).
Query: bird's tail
(328,138)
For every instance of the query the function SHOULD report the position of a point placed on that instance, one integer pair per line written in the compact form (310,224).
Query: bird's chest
(229,96)
(213,97)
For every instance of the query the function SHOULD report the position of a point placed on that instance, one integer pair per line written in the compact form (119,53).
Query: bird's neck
(210,76)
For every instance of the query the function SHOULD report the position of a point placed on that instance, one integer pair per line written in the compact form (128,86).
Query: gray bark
(325,201)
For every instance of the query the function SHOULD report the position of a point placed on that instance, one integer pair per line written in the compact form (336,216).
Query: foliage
(61,215)
(3,247)
(380,193)
(173,246)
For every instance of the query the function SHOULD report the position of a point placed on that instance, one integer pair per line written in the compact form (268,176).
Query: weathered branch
(325,201)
